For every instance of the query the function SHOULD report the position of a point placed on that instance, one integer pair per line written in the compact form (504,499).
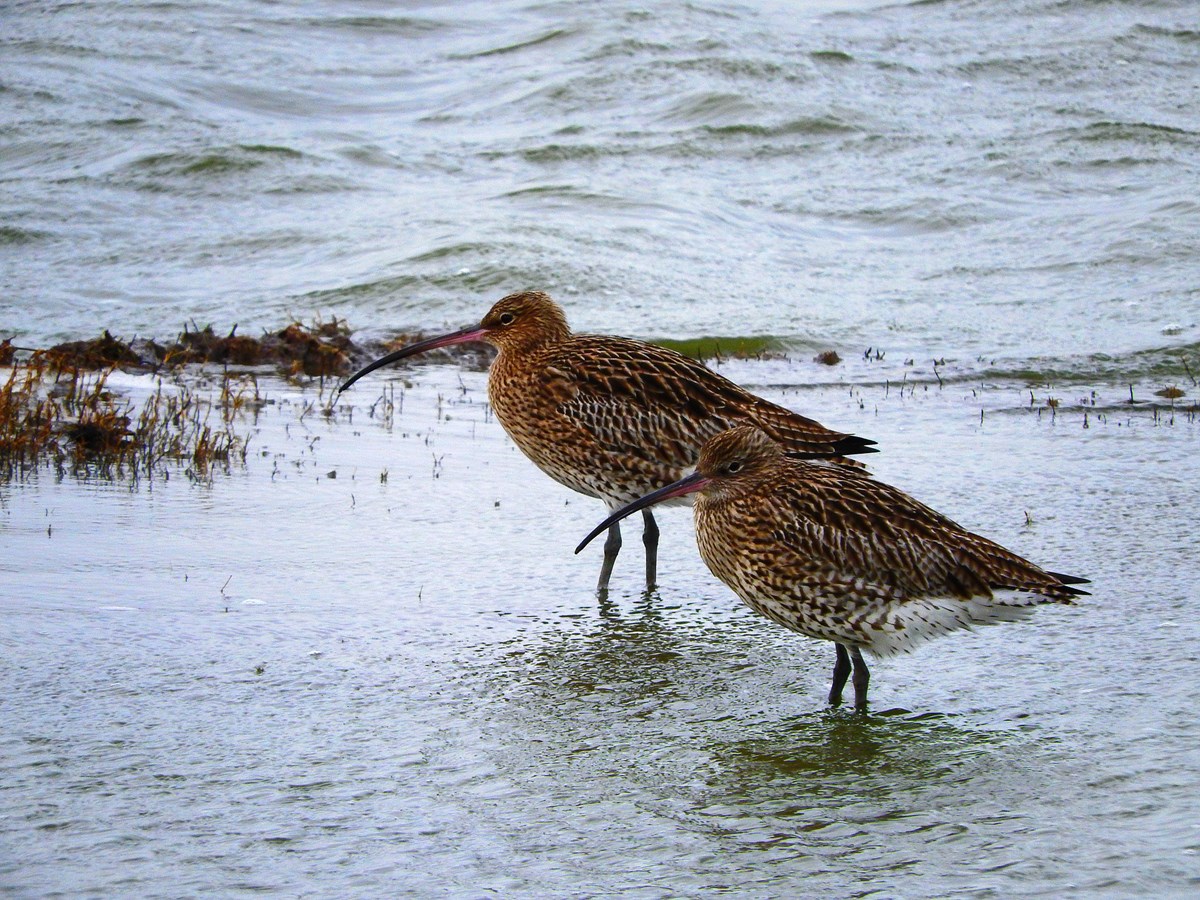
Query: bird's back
(832,553)
(616,418)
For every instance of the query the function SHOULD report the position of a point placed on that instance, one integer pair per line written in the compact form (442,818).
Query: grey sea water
(367,664)
(940,178)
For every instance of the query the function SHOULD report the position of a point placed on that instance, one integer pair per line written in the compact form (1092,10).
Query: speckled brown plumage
(827,551)
(610,417)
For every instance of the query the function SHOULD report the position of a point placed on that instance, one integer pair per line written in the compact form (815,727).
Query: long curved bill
(463,336)
(687,485)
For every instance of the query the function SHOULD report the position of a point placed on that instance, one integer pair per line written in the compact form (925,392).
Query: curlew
(829,552)
(610,417)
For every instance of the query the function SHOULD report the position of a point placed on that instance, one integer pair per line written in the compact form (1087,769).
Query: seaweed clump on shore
(71,421)
(104,352)
(323,350)
(320,350)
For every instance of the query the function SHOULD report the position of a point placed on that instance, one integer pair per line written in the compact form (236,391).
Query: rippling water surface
(308,678)
(948,178)
(291,683)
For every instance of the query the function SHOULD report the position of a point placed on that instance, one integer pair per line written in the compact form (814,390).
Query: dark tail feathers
(852,444)
(849,445)
(1072,579)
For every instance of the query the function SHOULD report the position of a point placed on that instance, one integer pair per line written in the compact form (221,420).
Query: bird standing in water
(829,552)
(610,417)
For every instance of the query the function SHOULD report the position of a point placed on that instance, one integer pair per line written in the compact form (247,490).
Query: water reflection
(746,697)
(713,725)
(633,649)
(839,757)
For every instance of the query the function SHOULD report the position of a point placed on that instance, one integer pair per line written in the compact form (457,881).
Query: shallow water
(288,682)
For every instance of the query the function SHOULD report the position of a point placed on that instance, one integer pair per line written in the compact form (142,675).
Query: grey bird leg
(612,546)
(650,539)
(861,678)
(841,671)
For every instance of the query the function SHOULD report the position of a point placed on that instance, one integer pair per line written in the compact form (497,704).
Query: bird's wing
(876,532)
(618,387)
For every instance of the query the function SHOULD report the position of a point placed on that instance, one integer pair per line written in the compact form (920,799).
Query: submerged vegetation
(718,348)
(73,422)
(60,410)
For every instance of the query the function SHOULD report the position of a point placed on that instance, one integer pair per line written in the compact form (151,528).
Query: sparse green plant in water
(72,421)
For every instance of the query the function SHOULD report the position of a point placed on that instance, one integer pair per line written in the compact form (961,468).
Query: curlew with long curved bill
(829,552)
(610,417)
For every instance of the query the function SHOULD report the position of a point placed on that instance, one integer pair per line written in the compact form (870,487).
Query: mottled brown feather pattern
(829,552)
(612,417)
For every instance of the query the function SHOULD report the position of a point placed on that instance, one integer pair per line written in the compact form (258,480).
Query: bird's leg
(841,671)
(650,539)
(612,546)
(861,678)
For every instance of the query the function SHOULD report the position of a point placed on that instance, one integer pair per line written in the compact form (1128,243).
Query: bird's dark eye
(734,467)
(507,318)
